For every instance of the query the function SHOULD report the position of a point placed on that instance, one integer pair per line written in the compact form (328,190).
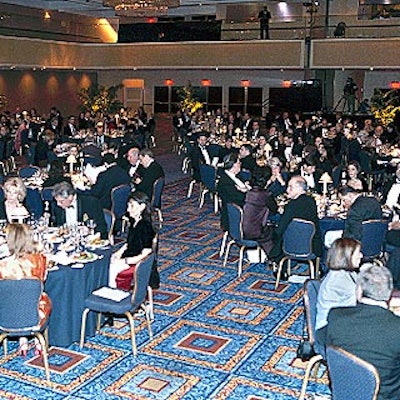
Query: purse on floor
(305,350)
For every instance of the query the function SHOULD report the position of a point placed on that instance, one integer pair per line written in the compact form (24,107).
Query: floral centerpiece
(100,99)
(189,98)
(385,105)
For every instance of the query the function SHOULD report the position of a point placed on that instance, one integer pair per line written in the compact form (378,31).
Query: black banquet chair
(297,245)
(373,239)
(155,202)
(208,175)
(103,301)
(310,297)
(119,201)
(19,315)
(350,376)
(235,215)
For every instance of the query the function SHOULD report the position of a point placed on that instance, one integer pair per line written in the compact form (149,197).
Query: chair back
(208,176)
(373,237)
(141,279)
(350,376)
(19,304)
(47,193)
(365,161)
(310,298)
(297,239)
(336,175)
(235,217)
(245,175)
(33,202)
(29,171)
(109,217)
(119,200)
(158,187)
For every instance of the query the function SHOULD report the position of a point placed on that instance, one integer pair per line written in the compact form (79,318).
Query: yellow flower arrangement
(385,106)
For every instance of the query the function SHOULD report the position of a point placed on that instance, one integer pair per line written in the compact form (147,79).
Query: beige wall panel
(252,54)
(356,53)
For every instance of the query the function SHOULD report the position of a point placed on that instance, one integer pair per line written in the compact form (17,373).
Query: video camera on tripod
(350,87)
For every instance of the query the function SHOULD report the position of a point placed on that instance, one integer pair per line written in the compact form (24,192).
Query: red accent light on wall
(151,20)
(245,82)
(206,82)
(394,85)
(286,84)
(169,82)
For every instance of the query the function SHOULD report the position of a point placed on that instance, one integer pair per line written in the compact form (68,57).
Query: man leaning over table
(73,207)
(360,208)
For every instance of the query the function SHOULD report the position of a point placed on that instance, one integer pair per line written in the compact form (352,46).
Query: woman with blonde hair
(24,261)
(14,194)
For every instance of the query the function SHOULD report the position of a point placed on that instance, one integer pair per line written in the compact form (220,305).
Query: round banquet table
(68,288)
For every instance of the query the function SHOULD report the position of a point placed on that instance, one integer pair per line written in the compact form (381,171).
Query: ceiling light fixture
(141,8)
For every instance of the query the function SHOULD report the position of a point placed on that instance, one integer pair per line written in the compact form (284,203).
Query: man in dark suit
(151,171)
(70,129)
(246,157)
(369,330)
(361,208)
(113,176)
(72,208)
(200,155)
(300,206)
(91,152)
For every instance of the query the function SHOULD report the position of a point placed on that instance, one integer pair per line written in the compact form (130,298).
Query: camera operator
(349,93)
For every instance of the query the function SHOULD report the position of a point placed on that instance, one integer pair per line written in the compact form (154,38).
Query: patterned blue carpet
(216,336)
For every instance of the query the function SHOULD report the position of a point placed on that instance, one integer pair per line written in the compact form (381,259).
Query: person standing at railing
(264,16)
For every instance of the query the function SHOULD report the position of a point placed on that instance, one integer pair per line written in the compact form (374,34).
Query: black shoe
(108,321)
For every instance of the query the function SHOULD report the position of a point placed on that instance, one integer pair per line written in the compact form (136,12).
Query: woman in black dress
(139,243)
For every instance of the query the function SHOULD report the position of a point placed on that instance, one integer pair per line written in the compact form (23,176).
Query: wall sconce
(245,83)
(286,84)
(394,85)
(168,82)
(206,82)
(46,16)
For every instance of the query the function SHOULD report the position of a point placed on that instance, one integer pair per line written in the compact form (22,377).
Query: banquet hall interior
(216,335)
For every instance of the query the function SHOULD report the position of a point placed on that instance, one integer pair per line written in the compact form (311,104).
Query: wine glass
(91,225)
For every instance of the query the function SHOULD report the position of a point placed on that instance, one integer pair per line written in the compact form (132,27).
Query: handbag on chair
(124,278)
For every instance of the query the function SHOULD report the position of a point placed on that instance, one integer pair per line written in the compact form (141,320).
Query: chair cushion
(247,243)
(103,305)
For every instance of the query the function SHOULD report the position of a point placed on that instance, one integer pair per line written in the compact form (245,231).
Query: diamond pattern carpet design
(216,336)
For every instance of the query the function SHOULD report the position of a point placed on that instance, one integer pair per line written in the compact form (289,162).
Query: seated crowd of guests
(290,161)
(34,135)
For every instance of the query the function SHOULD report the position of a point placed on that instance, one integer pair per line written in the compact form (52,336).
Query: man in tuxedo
(132,155)
(360,208)
(70,129)
(300,206)
(72,207)
(200,155)
(113,176)
(151,171)
(370,330)
(308,170)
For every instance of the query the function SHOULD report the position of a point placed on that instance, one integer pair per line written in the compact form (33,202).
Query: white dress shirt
(71,213)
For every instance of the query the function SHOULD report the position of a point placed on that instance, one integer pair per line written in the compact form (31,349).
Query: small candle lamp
(71,160)
(325,180)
